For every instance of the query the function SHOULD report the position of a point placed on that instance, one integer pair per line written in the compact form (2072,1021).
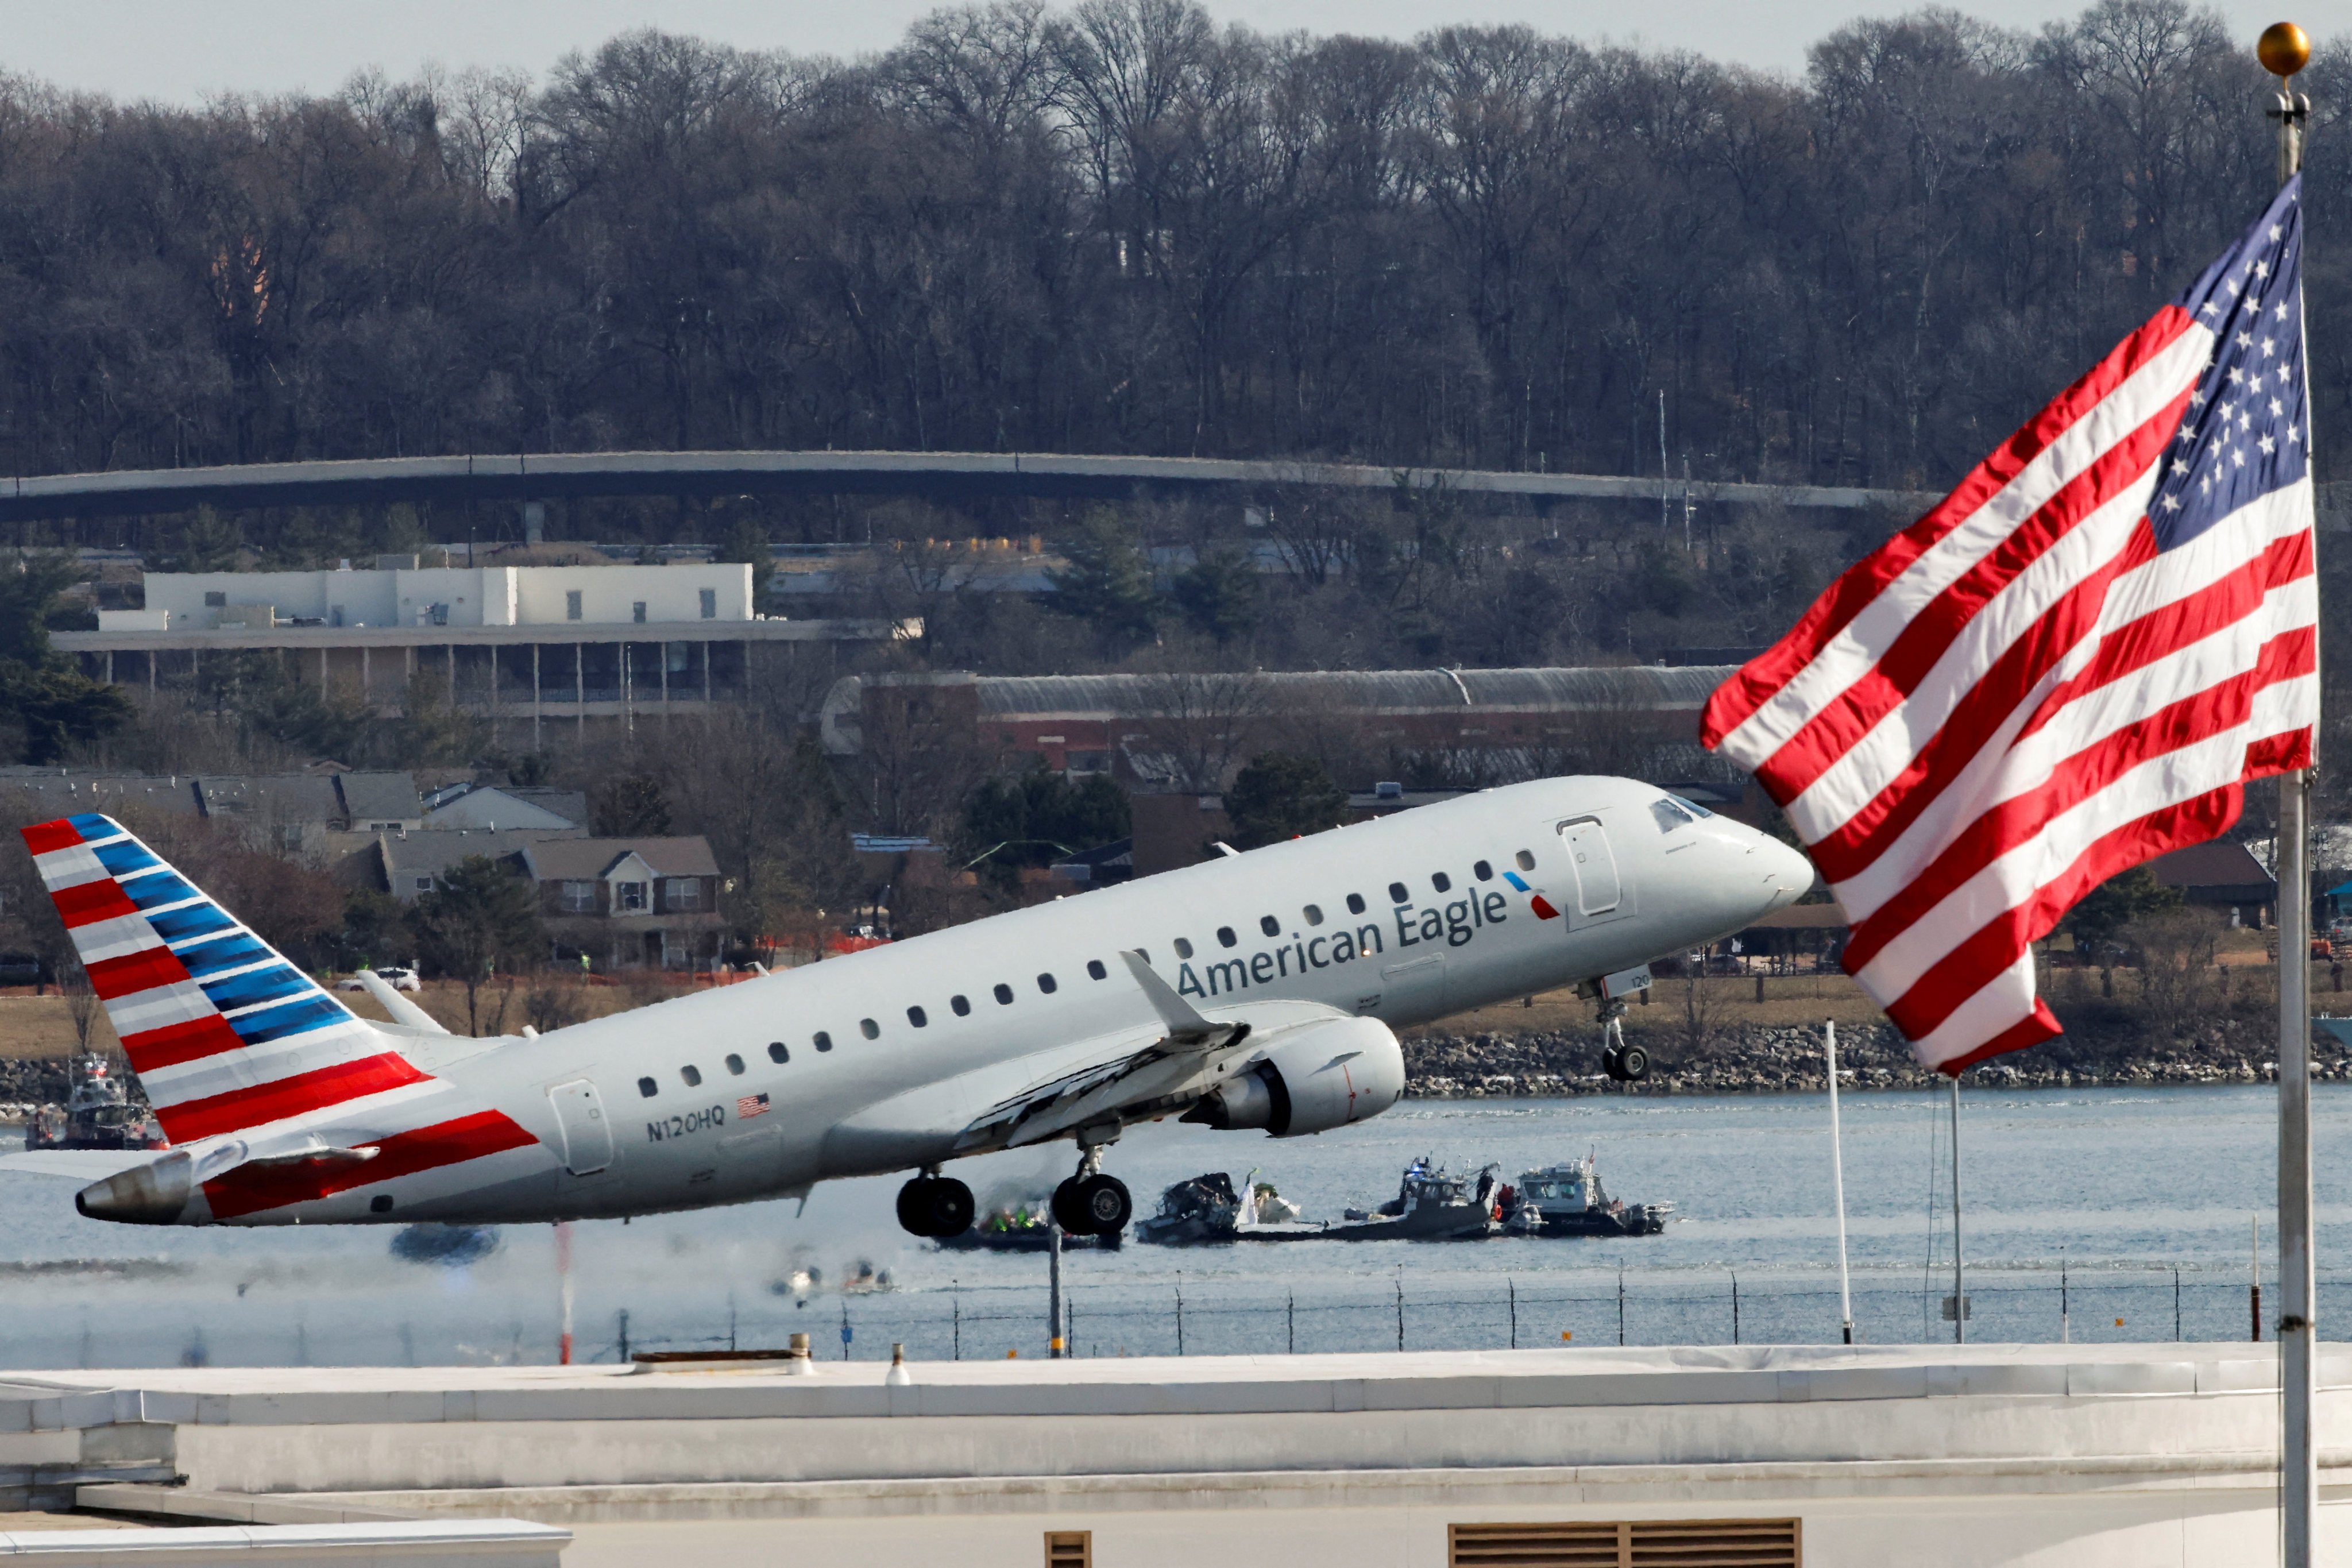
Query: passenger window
(734,1064)
(1355,903)
(869,1028)
(692,1075)
(777,1052)
(1527,861)
(824,1041)
(647,1088)
(1269,925)
(1441,881)
(962,1006)
(1485,873)
(1004,994)
(1314,913)
(915,1015)
(1183,948)
(1397,895)
(1095,967)
(1045,984)
(1225,937)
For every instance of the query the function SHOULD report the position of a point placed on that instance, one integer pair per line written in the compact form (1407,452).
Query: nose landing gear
(935,1206)
(1090,1202)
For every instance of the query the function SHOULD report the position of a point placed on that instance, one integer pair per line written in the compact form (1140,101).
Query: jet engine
(1311,1079)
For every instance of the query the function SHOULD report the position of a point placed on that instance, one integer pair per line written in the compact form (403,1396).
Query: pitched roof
(500,805)
(379,797)
(282,797)
(68,791)
(430,854)
(585,858)
(2217,863)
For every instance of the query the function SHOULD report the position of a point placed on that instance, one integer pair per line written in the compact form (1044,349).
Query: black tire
(951,1206)
(1632,1064)
(1610,1065)
(1104,1206)
(1067,1212)
(914,1207)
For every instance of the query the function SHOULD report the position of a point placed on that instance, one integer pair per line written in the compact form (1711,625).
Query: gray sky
(179,51)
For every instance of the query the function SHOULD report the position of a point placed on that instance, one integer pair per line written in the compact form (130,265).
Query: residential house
(501,806)
(409,864)
(630,902)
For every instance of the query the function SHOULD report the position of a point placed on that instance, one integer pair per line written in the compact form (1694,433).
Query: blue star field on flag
(2247,431)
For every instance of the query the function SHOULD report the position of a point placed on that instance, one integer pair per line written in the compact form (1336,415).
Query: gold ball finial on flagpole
(2283,48)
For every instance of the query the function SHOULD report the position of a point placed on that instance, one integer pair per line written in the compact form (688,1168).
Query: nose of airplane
(1788,874)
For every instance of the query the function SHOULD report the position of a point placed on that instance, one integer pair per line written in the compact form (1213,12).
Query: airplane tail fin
(223,1033)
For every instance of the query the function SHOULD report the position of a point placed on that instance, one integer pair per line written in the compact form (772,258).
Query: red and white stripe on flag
(2071,665)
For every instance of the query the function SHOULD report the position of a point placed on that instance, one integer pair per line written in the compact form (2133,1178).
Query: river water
(2140,1200)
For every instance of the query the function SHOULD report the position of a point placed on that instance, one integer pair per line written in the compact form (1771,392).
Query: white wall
(472,595)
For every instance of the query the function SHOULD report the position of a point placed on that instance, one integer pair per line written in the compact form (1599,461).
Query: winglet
(1183,1022)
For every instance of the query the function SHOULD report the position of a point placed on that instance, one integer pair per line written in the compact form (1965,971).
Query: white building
(525,647)
(442,596)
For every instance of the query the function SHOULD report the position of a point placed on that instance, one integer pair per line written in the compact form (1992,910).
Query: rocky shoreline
(1763,1059)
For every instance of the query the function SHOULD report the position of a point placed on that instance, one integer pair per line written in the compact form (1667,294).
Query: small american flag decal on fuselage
(751,1105)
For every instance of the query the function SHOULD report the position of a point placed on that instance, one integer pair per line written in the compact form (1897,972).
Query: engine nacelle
(1312,1080)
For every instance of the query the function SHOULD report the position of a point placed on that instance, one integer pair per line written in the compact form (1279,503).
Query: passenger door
(1601,893)
(587,1133)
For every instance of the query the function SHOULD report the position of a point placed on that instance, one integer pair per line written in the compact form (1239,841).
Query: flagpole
(2283,50)
(1960,1283)
(1837,1182)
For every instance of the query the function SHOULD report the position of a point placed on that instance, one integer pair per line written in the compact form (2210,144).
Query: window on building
(1526,861)
(734,1064)
(693,1076)
(637,612)
(869,1028)
(1045,984)
(1441,883)
(629,898)
(579,898)
(824,1041)
(647,1088)
(215,599)
(424,884)
(1269,925)
(918,1017)
(961,1006)
(710,603)
(684,892)
(1397,895)
(571,605)
(1355,903)
(1004,995)
(1095,968)
(778,1051)
(1183,948)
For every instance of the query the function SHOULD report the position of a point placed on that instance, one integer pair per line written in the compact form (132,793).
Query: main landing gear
(1626,1064)
(1090,1202)
(935,1206)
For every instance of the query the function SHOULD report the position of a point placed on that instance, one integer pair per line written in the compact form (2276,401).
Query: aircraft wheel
(1103,1205)
(935,1206)
(1068,1212)
(1632,1063)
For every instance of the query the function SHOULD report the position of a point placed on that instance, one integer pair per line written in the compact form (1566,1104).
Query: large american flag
(2073,663)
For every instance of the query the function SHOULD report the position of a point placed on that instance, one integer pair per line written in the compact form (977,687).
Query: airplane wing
(1184,1063)
(82,1164)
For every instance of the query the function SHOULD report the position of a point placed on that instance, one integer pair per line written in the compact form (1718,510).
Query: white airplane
(1257,991)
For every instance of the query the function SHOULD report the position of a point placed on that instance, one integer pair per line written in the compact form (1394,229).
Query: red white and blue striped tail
(225,1033)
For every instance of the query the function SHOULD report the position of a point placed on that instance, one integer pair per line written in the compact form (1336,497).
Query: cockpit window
(1690,805)
(1669,815)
